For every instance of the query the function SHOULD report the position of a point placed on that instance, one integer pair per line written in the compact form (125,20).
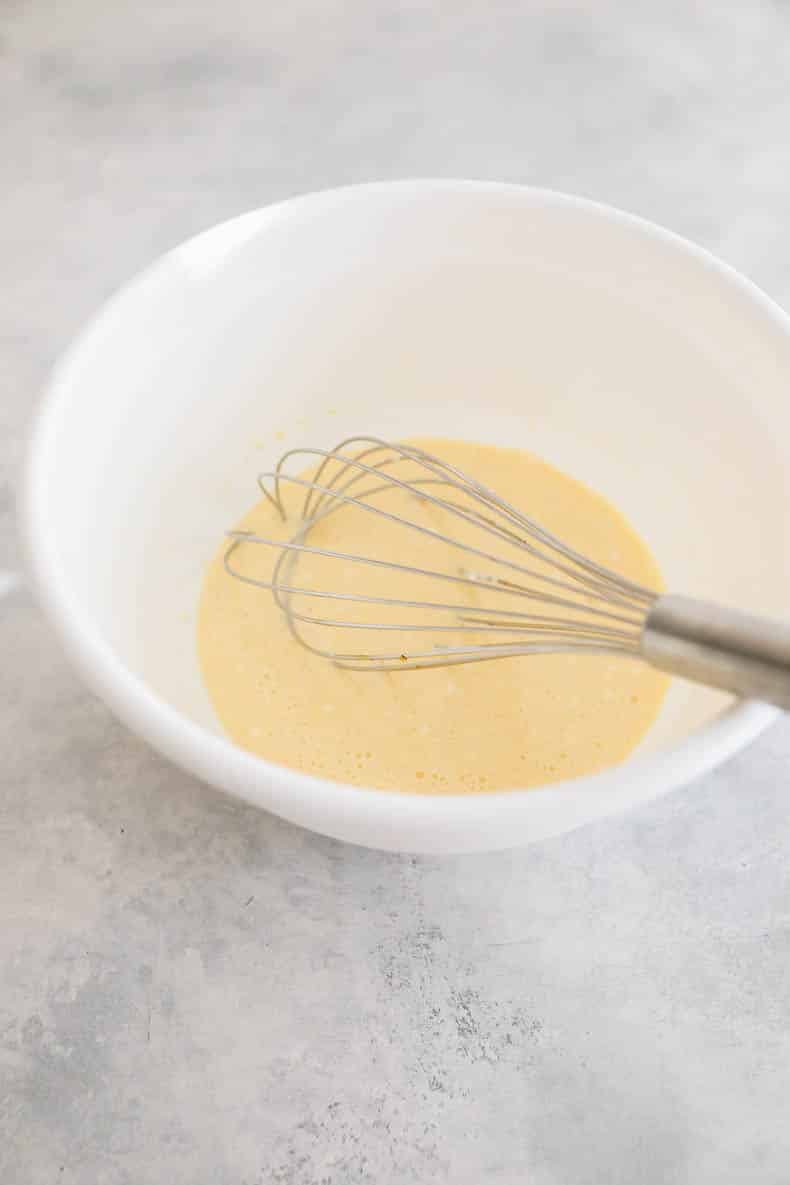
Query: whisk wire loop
(570,603)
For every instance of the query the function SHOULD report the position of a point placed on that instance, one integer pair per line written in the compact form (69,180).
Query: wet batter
(517,722)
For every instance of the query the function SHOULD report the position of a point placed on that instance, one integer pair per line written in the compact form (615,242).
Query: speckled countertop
(194,992)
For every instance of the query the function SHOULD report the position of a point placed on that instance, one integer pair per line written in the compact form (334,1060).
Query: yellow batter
(515,722)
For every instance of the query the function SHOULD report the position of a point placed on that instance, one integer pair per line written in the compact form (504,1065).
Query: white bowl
(615,349)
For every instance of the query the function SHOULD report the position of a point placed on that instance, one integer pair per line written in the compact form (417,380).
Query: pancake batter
(497,725)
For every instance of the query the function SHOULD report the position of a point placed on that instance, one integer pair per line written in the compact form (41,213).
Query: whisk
(509,587)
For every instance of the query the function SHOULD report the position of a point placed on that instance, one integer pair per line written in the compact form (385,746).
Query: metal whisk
(512,587)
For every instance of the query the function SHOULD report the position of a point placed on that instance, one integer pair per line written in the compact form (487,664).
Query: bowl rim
(331,807)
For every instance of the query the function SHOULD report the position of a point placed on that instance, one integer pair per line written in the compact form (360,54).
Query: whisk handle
(723,648)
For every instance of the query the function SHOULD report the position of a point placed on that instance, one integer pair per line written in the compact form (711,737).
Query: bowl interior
(491,313)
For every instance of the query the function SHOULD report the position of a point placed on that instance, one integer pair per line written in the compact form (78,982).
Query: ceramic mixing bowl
(612,348)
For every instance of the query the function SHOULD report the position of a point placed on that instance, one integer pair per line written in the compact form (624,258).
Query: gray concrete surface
(192,992)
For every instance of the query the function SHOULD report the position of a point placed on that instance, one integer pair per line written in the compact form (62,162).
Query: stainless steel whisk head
(506,586)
